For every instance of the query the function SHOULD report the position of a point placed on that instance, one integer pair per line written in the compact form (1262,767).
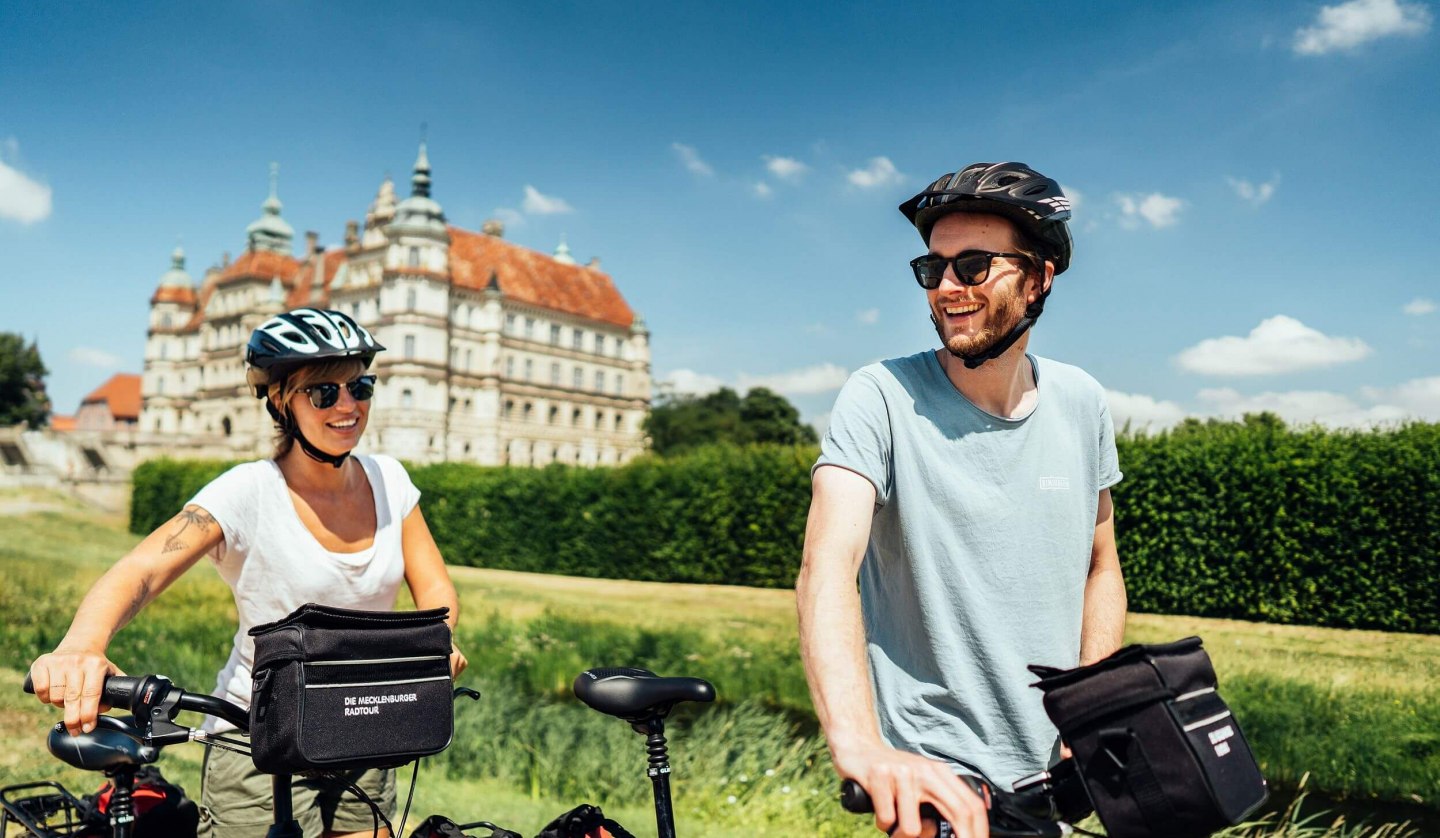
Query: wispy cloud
(1418,397)
(692,160)
(1302,407)
(22,199)
(510,216)
(868,316)
(1279,344)
(785,168)
(1419,306)
(820,378)
(537,203)
(1154,209)
(1142,413)
(879,172)
(1254,194)
(762,189)
(1075,196)
(1347,26)
(92,357)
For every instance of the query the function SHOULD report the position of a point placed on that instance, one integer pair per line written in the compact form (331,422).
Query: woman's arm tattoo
(190,515)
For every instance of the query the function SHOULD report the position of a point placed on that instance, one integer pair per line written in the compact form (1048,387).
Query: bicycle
(120,746)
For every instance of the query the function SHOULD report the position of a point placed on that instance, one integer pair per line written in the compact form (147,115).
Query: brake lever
(155,708)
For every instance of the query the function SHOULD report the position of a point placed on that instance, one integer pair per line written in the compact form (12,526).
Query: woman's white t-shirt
(274,565)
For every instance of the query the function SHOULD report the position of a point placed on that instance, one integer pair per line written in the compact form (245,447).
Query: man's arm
(1103,627)
(832,648)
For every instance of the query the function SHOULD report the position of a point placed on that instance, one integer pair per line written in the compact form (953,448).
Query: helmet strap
(291,429)
(1000,347)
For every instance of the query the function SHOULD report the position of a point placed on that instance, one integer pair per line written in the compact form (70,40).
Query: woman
(311,524)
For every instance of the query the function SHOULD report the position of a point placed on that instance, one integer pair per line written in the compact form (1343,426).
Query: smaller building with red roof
(113,406)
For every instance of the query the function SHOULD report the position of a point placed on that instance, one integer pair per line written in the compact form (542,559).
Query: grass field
(1359,711)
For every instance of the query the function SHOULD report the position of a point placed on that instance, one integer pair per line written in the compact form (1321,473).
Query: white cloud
(820,378)
(509,216)
(880,172)
(1254,194)
(1419,397)
(91,357)
(762,189)
(821,423)
(537,203)
(21,199)
(1302,407)
(1075,196)
(1155,209)
(1419,306)
(1142,413)
(692,160)
(786,168)
(868,316)
(1347,26)
(1279,344)
(690,383)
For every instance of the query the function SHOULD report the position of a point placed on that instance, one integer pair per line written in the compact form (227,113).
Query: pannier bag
(160,807)
(337,689)
(1158,748)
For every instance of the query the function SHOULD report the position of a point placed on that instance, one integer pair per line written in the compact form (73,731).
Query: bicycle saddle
(112,744)
(636,695)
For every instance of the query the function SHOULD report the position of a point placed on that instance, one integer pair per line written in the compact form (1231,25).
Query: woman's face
(335,429)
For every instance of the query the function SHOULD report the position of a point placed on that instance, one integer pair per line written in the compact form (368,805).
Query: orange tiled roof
(63,424)
(171,294)
(262,264)
(121,393)
(531,277)
(305,280)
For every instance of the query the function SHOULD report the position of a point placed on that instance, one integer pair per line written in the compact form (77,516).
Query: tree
(679,423)
(22,383)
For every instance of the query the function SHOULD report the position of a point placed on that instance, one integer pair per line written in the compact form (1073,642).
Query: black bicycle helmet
(1031,201)
(1035,204)
(299,337)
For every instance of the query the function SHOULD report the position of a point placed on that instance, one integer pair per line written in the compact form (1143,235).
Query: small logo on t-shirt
(1054,484)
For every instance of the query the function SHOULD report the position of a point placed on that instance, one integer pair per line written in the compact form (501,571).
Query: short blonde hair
(283,387)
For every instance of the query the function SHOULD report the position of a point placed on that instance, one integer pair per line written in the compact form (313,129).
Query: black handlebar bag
(337,689)
(1160,752)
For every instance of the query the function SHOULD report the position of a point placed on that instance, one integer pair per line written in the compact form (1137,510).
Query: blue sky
(1256,183)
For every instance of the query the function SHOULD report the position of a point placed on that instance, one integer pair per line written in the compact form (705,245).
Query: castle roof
(302,293)
(527,276)
(260,264)
(121,393)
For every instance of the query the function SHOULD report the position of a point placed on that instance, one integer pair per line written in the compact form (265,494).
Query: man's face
(971,319)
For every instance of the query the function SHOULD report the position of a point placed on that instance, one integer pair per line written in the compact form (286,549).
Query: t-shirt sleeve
(397,480)
(231,500)
(1109,459)
(859,437)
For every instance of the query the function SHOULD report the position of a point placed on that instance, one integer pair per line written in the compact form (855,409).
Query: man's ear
(1046,278)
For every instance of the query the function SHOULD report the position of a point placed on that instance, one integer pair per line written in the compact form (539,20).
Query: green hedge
(1249,520)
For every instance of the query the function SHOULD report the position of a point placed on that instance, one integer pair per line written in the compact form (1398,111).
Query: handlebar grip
(119,691)
(854,798)
(29,686)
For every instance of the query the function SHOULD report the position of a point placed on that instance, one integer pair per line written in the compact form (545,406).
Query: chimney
(225,259)
(594,263)
(352,235)
(493,227)
(312,243)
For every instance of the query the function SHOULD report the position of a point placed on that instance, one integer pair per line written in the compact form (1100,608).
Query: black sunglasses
(972,267)
(325,394)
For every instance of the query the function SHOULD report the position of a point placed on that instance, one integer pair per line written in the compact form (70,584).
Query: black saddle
(637,695)
(111,745)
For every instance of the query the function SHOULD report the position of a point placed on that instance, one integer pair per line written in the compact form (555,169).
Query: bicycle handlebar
(154,698)
(1011,814)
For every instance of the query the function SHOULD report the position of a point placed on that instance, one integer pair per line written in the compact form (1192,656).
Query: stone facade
(496,354)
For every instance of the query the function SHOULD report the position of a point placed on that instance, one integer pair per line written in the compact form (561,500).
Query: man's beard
(1005,313)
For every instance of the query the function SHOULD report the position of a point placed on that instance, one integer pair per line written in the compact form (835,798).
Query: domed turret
(562,253)
(270,231)
(176,277)
(419,214)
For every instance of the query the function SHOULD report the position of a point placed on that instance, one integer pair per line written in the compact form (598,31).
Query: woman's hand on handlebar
(457,661)
(73,679)
(898,782)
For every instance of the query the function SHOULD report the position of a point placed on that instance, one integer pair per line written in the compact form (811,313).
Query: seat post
(122,809)
(659,773)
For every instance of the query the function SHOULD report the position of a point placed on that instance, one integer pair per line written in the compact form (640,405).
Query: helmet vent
(1006,180)
(1037,189)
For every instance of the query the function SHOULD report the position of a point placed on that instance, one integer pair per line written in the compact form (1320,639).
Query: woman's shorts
(236,800)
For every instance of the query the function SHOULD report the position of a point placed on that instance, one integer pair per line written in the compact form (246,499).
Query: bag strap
(1127,755)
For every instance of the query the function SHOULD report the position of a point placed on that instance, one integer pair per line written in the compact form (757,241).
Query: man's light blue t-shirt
(979,550)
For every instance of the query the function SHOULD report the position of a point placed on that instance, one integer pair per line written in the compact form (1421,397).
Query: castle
(497,354)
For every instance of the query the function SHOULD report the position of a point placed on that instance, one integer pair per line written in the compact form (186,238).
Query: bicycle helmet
(1031,201)
(293,339)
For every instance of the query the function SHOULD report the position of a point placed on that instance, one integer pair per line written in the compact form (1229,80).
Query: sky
(1255,184)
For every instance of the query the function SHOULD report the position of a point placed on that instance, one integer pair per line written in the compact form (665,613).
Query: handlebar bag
(1159,750)
(338,689)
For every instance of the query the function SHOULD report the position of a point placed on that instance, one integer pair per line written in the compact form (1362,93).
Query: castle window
(555,334)
(618,421)
(529,369)
(469,356)
(599,344)
(600,380)
(554,373)
(510,324)
(410,299)
(164,321)
(529,328)
(575,418)
(413,260)
(554,414)
(619,384)
(509,408)
(407,398)
(225,427)
(529,409)
(510,366)
(164,350)
(410,344)
(577,340)
(578,378)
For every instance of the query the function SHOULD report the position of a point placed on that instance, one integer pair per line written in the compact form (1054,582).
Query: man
(968,488)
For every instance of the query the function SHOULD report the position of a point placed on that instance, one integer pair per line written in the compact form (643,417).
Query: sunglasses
(972,267)
(326,394)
